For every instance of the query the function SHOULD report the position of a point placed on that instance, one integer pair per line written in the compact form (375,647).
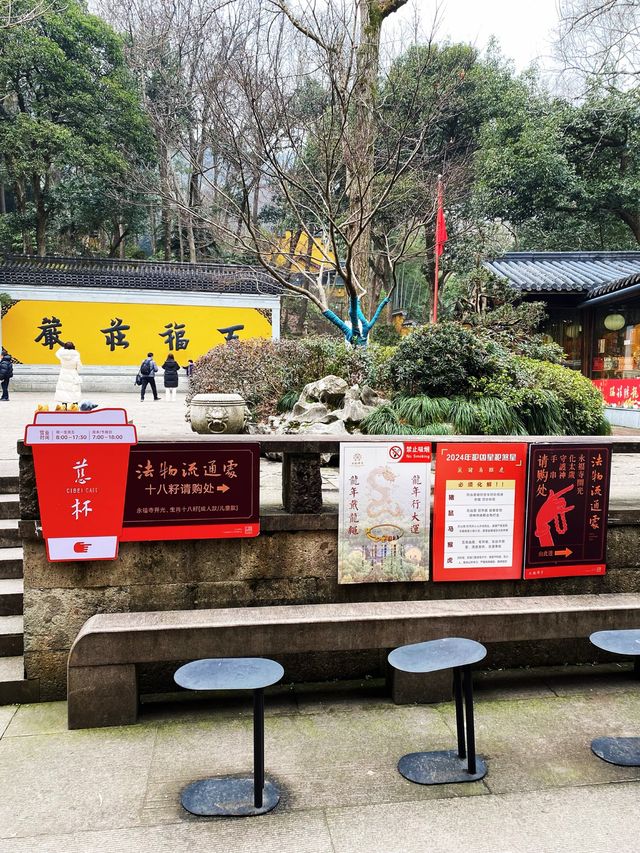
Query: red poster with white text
(478,511)
(81,475)
(567,510)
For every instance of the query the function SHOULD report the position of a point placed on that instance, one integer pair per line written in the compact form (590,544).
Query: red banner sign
(478,513)
(618,391)
(194,490)
(567,510)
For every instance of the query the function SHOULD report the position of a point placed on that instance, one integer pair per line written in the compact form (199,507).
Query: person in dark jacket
(6,372)
(147,376)
(171,368)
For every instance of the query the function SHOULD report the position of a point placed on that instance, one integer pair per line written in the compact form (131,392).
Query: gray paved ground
(167,419)
(334,755)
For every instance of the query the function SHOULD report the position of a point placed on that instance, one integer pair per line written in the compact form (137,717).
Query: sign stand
(81,461)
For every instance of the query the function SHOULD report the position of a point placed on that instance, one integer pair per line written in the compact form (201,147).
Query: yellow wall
(309,253)
(82,322)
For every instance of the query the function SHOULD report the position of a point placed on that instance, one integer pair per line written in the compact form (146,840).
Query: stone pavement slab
(335,759)
(603,819)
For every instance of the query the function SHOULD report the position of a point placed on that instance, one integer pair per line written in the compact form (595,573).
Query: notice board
(567,510)
(478,511)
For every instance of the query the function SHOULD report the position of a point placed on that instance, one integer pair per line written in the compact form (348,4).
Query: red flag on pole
(441,239)
(441,225)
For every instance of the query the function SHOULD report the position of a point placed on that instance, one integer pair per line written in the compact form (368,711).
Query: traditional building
(593,303)
(116,311)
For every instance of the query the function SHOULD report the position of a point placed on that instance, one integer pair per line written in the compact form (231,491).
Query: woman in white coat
(69,387)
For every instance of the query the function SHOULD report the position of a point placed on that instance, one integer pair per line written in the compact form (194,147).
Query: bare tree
(17,13)
(601,39)
(269,120)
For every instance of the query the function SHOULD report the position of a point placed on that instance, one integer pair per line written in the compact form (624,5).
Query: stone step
(8,484)
(10,563)
(11,596)
(9,533)
(14,687)
(11,636)
(9,505)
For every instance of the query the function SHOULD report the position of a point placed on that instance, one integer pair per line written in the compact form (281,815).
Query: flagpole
(434,312)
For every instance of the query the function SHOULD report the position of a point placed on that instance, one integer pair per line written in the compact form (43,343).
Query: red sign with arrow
(567,510)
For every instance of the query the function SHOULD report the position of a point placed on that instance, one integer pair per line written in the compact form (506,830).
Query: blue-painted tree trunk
(357,334)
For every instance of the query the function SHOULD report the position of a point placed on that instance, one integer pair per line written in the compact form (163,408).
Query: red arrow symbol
(566,553)
(222,488)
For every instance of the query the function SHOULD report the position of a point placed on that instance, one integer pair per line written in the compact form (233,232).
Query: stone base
(102,696)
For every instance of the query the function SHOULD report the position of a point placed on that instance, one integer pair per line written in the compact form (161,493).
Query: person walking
(69,385)
(171,368)
(189,368)
(147,374)
(6,372)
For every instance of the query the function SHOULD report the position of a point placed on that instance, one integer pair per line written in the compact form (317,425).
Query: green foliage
(566,175)
(441,361)
(70,116)
(271,374)
(580,401)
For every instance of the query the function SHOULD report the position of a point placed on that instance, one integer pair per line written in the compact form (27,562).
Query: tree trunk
(163,166)
(360,141)
(632,221)
(42,215)
(191,238)
(20,193)
(152,228)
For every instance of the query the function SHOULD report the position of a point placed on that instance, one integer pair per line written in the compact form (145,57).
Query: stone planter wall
(294,560)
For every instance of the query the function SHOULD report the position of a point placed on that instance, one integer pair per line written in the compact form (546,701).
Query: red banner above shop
(478,513)
(616,392)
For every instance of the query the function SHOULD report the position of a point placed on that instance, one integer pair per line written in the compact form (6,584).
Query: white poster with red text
(383,526)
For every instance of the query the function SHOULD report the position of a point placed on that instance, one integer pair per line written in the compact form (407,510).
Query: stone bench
(102,681)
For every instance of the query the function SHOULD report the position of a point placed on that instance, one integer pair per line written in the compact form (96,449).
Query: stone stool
(225,795)
(437,768)
(624,751)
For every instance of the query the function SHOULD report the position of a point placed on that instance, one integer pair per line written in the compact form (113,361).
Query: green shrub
(271,374)
(441,361)
(580,401)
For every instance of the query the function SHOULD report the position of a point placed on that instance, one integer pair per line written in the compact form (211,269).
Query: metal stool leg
(471,734)
(258,747)
(457,692)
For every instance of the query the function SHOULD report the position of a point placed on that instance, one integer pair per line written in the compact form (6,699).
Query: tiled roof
(573,272)
(614,286)
(23,270)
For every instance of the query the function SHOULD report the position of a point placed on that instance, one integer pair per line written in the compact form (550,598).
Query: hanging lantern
(614,322)
(573,330)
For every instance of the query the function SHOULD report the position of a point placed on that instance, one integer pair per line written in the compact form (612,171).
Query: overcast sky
(524,28)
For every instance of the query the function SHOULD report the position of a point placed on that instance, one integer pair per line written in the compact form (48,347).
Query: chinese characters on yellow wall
(123,333)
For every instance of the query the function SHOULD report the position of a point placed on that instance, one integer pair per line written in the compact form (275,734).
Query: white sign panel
(383,532)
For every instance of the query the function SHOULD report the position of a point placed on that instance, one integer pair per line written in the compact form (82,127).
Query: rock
(327,407)
(370,397)
(309,412)
(336,428)
(354,411)
(330,390)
